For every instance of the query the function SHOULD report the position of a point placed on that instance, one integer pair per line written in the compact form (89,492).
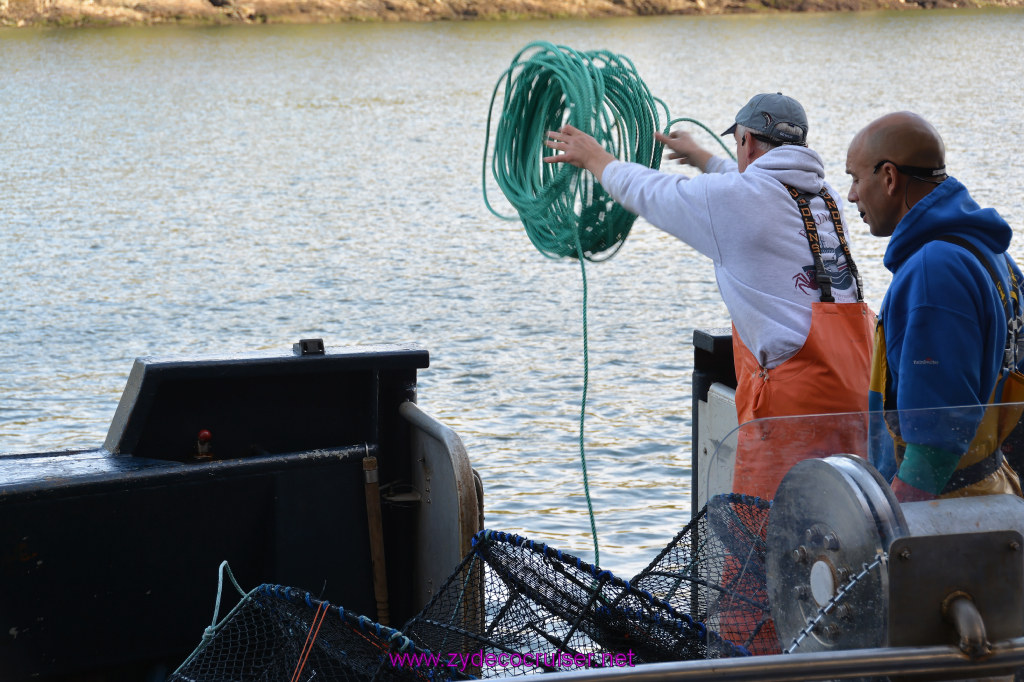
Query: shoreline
(58,13)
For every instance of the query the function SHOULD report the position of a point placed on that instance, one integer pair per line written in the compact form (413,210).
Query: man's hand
(684,149)
(905,492)
(579,149)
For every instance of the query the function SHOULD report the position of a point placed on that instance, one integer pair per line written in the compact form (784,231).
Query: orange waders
(828,375)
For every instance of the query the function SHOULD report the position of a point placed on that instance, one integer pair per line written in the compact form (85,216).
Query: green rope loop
(598,92)
(711,132)
(564,210)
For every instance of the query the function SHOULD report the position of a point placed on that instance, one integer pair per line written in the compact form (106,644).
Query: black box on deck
(110,557)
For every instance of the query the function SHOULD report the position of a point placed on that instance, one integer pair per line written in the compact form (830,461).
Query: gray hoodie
(751,228)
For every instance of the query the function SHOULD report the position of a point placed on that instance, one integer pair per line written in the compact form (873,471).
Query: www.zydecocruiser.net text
(480,659)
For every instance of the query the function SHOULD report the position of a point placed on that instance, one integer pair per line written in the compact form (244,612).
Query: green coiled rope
(564,210)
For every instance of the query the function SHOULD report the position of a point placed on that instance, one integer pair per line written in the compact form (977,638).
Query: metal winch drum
(849,567)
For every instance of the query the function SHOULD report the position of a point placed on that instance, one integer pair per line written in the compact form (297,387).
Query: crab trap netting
(714,570)
(517,607)
(525,608)
(280,633)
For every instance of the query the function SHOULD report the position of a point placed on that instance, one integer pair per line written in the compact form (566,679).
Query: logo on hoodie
(806,280)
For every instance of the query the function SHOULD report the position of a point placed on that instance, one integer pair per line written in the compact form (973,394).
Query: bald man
(941,338)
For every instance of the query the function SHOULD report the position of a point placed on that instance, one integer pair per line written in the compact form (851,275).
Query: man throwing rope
(772,226)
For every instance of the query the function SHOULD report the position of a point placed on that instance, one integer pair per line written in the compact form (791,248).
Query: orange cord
(310,639)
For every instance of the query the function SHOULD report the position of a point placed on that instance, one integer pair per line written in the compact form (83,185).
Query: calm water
(187,190)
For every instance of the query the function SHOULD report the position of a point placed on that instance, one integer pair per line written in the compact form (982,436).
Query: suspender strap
(1009,300)
(979,471)
(960,241)
(811,231)
(837,219)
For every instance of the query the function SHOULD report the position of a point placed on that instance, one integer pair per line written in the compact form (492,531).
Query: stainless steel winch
(849,567)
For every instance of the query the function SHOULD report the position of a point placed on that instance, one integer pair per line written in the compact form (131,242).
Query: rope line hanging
(564,210)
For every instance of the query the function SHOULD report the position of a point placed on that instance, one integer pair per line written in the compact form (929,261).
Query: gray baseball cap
(774,116)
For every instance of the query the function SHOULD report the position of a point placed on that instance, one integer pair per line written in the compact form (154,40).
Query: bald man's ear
(890,178)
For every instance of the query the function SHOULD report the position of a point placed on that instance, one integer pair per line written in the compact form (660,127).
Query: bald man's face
(870,191)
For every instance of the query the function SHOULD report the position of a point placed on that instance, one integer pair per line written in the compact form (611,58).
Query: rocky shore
(115,12)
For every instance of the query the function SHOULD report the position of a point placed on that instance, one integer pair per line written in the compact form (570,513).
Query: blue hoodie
(942,322)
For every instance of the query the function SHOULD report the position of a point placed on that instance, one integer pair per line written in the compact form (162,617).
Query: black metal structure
(109,556)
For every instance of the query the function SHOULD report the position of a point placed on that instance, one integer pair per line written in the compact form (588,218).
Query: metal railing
(938,662)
